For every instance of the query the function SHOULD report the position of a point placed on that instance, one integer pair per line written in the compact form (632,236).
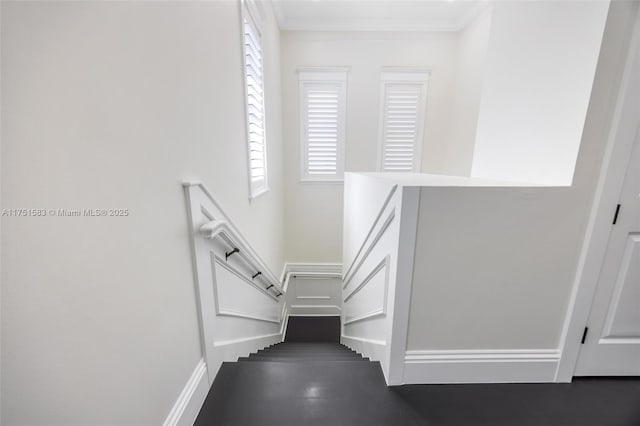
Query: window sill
(258,193)
(336,181)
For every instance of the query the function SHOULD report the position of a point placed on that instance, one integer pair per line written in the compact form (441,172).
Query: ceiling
(376,15)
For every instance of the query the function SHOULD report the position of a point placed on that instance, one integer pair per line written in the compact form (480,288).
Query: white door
(612,342)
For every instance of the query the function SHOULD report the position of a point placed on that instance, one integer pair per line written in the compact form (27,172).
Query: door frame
(622,135)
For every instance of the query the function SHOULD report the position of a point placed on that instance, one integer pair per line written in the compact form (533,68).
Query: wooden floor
(323,383)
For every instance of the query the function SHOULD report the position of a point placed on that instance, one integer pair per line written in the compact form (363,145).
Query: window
(322,123)
(254,87)
(403,98)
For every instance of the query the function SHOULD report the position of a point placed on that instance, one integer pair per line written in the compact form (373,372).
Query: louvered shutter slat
(322,111)
(255,105)
(400,126)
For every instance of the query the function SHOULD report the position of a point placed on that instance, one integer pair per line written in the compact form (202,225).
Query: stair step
(309,352)
(320,349)
(298,359)
(313,329)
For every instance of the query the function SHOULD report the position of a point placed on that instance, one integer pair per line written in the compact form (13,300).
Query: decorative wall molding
(336,307)
(246,339)
(237,313)
(230,225)
(218,261)
(381,308)
(187,406)
(384,263)
(365,340)
(370,247)
(480,366)
(220,229)
(316,270)
(349,273)
(313,297)
(315,310)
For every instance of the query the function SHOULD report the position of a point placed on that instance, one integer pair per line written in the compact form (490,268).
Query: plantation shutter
(322,124)
(403,110)
(255,105)
(322,129)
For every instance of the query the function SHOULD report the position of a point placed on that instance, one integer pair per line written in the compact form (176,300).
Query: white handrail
(231,232)
(221,229)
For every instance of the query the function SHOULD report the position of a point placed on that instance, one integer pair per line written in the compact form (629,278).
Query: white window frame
(323,76)
(411,76)
(251,12)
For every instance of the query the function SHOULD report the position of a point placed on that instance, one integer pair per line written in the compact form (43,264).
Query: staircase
(309,379)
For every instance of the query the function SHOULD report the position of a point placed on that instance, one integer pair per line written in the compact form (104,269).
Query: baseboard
(186,408)
(480,366)
(331,270)
(318,310)
(369,348)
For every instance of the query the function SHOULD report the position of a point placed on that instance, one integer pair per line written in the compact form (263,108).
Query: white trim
(327,269)
(217,260)
(230,228)
(378,24)
(372,245)
(244,339)
(413,356)
(404,74)
(364,340)
(336,307)
(371,229)
(401,303)
(373,349)
(314,297)
(384,263)
(238,314)
(187,406)
(619,341)
(309,270)
(611,177)
(314,315)
(480,366)
(323,73)
(376,313)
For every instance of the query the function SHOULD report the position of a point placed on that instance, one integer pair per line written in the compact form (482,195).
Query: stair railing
(220,230)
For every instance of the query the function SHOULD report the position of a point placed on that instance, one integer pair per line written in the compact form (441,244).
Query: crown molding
(377,25)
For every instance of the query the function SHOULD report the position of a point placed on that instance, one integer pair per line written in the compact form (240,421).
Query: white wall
(492,267)
(314,295)
(540,67)
(111,105)
(473,41)
(495,267)
(314,211)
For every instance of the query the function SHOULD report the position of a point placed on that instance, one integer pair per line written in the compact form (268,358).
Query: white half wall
(495,267)
(377,269)
(111,105)
(537,84)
